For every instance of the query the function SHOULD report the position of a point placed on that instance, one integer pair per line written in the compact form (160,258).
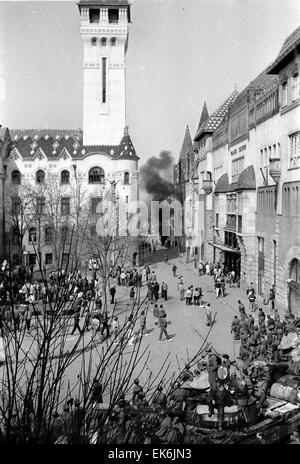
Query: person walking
(112,292)
(162,324)
(218,287)
(28,316)
(156,313)
(143,324)
(76,323)
(174,269)
(104,323)
(187,295)
(164,291)
(166,259)
(208,313)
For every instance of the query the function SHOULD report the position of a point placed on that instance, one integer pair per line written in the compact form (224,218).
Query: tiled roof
(217,117)
(289,45)
(261,84)
(187,144)
(55,143)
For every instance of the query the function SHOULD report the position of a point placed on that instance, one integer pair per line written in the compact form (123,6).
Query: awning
(225,248)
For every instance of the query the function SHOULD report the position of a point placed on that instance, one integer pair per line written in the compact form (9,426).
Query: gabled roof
(217,117)
(187,144)
(289,45)
(52,142)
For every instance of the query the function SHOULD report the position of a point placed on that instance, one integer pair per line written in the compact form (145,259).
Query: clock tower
(104,32)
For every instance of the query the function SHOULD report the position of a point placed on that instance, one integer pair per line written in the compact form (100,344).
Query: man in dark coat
(112,292)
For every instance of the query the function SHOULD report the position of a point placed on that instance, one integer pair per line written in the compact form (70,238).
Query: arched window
(126,178)
(65,177)
(103,41)
(94,42)
(96,176)
(295,270)
(32,234)
(16,177)
(113,41)
(40,177)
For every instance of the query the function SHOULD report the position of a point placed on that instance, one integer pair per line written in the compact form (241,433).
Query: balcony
(275,169)
(207,186)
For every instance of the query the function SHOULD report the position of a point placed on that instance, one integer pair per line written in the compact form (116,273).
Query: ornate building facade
(249,175)
(72,171)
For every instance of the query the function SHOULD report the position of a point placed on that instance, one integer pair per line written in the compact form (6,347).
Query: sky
(181,53)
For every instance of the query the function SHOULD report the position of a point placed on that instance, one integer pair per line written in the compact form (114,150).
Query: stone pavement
(186,324)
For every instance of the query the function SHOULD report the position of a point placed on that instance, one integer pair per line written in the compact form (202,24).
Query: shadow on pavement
(159,256)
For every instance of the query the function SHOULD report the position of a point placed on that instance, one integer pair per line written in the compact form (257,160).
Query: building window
(16,206)
(65,206)
(295,270)
(65,235)
(40,205)
(96,176)
(284,93)
(94,203)
(103,41)
(40,177)
(94,42)
(217,220)
(16,177)
(261,244)
(231,203)
(65,177)
(48,234)
(294,150)
(126,199)
(113,41)
(237,168)
(240,224)
(48,258)
(295,87)
(15,235)
(113,16)
(32,234)
(104,80)
(126,178)
(94,15)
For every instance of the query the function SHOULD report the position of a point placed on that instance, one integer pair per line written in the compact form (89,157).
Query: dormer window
(94,16)
(113,16)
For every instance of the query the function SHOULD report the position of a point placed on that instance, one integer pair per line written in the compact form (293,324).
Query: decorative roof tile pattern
(217,117)
(57,143)
(289,45)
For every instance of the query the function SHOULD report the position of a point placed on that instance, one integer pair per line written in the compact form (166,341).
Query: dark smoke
(151,180)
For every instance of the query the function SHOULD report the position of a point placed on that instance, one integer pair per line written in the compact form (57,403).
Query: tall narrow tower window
(113,41)
(104,80)
(94,42)
(103,41)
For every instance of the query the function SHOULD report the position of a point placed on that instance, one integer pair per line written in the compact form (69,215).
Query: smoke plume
(151,179)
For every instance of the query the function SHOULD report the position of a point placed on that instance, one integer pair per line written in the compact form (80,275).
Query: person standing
(17,318)
(104,323)
(164,291)
(115,329)
(166,259)
(271,300)
(187,295)
(181,290)
(131,295)
(162,324)
(174,269)
(143,324)
(28,316)
(251,298)
(112,292)
(208,313)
